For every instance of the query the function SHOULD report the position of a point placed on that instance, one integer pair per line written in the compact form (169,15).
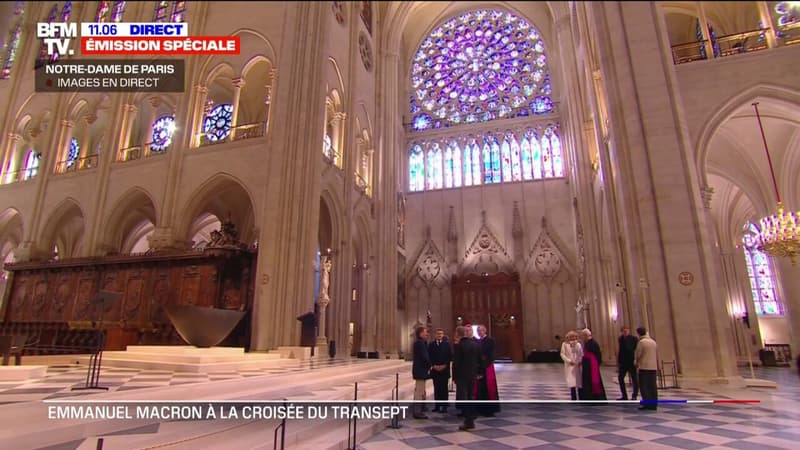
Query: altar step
(321,434)
(322,380)
(177,358)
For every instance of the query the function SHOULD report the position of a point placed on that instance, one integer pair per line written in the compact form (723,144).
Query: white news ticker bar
(346,402)
(134,29)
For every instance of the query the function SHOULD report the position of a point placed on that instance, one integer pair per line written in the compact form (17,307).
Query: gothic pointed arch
(134,212)
(429,266)
(486,254)
(547,261)
(225,197)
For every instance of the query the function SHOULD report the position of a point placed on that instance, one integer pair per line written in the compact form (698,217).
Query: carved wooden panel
(492,300)
(63,291)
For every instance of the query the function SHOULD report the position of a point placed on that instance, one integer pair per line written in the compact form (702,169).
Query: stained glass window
(12,43)
(102,10)
(31,165)
(506,163)
(117,11)
(547,157)
(456,164)
(448,167)
(536,156)
(476,67)
(487,163)
(163,129)
(516,169)
(72,153)
(786,17)
(109,10)
(532,154)
(217,124)
(162,9)
(416,169)
(44,57)
(555,153)
(434,167)
(468,165)
(178,11)
(762,286)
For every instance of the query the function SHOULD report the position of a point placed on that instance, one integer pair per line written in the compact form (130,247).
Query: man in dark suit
(466,362)
(441,354)
(420,370)
(625,365)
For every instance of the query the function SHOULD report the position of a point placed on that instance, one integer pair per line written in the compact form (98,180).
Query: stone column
(238,84)
(388,329)
(198,114)
(12,166)
(290,225)
(666,228)
(767,22)
(701,11)
(86,141)
(63,142)
(146,140)
(129,112)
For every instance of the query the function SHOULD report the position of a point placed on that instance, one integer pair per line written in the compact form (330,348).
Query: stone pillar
(238,84)
(701,11)
(62,144)
(197,115)
(387,328)
(290,226)
(337,123)
(146,139)
(12,166)
(767,22)
(665,226)
(129,112)
(86,141)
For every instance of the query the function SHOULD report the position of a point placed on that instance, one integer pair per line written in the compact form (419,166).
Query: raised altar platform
(186,358)
(17,373)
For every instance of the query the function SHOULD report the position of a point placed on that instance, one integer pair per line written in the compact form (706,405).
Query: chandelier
(779,234)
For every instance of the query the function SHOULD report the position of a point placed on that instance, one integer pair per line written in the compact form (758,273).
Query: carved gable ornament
(546,262)
(430,265)
(486,254)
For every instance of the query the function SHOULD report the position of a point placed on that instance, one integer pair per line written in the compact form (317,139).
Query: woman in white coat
(572,354)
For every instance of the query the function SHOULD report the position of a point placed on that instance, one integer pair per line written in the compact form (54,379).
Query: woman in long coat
(572,355)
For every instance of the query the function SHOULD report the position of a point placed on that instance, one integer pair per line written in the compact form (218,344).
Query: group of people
(472,361)
(636,357)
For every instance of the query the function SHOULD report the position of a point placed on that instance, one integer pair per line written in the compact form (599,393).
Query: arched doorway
(493,300)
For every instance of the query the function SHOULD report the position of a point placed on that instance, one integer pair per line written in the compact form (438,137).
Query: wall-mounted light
(612,313)
(513,318)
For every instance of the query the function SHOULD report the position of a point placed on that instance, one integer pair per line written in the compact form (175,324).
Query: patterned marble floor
(772,424)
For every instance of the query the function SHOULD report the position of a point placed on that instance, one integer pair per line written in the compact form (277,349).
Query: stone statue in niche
(325,278)
(581,310)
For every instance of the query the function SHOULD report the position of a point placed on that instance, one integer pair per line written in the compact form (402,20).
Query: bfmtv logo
(57,36)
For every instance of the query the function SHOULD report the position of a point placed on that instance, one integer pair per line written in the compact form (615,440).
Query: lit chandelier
(779,234)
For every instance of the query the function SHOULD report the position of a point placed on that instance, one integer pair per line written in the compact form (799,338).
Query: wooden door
(493,300)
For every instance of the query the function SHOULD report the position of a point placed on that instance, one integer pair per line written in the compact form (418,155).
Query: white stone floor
(774,423)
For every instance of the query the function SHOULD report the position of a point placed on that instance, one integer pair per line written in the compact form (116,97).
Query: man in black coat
(420,370)
(466,362)
(441,354)
(625,363)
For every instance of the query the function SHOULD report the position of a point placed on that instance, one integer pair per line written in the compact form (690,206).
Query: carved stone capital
(705,193)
